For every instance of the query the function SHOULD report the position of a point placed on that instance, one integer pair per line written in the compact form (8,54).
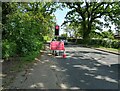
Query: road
(84,68)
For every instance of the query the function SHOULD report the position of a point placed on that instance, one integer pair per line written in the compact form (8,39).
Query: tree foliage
(73,29)
(88,15)
(24,26)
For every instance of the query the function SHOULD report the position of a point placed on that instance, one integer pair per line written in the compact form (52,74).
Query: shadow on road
(75,72)
(82,72)
(87,73)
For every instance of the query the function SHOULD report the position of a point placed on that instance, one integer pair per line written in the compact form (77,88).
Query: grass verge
(110,49)
(104,48)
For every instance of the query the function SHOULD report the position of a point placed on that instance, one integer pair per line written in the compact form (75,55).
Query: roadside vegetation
(24,27)
(104,43)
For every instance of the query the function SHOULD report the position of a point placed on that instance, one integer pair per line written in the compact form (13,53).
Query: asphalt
(83,68)
(100,49)
(40,76)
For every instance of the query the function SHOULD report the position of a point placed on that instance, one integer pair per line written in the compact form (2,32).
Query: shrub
(8,49)
(99,42)
(115,44)
(106,43)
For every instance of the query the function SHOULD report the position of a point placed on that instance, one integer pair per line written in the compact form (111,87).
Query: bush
(8,49)
(115,44)
(20,48)
(105,43)
(99,42)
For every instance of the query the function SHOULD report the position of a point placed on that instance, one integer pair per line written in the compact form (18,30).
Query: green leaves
(88,15)
(8,48)
(25,27)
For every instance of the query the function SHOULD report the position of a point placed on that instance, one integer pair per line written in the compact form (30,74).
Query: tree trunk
(86,32)
(75,37)
(86,35)
(76,40)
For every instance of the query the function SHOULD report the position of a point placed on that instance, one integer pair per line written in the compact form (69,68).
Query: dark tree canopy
(88,15)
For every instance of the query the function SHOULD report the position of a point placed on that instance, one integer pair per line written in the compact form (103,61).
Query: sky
(60,17)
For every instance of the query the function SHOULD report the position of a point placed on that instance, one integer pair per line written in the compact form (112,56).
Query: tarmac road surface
(84,68)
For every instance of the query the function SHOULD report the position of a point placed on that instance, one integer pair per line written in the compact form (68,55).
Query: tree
(25,25)
(73,29)
(68,29)
(64,35)
(107,34)
(88,14)
(76,30)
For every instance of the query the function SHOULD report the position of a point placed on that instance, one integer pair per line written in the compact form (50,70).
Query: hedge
(100,42)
